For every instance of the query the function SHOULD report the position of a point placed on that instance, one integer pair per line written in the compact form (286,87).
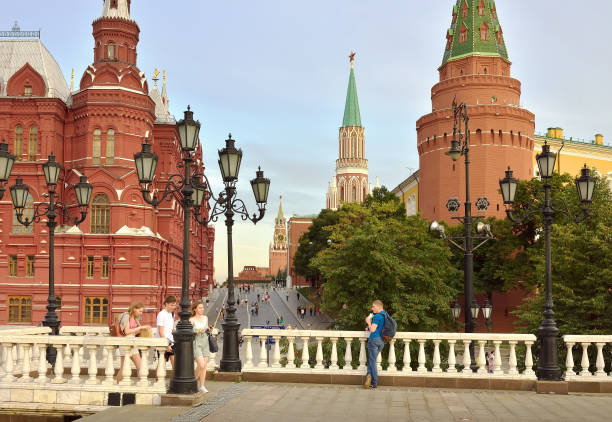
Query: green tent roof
(352,117)
(493,46)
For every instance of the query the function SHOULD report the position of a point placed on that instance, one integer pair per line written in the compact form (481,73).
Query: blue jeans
(375,345)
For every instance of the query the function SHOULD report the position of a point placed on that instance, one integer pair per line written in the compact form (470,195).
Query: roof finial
(155,76)
(352,58)
(164,77)
(72,81)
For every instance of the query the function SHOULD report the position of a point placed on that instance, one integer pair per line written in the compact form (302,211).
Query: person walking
(201,350)
(375,321)
(491,362)
(165,326)
(298,296)
(129,323)
(287,297)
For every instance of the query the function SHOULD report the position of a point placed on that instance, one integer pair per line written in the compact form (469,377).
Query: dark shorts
(168,354)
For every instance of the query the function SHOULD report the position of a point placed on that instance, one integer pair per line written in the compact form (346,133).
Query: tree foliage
(312,242)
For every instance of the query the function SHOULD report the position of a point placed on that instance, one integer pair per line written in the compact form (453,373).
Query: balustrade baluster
(75,370)
(42,364)
(305,354)
(25,371)
(109,370)
(529,360)
(249,352)
(407,368)
(569,361)
(422,358)
(482,359)
(334,355)
(379,361)
(67,357)
(512,359)
(144,367)
(467,358)
(19,354)
(319,356)
(290,353)
(348,354)
(584,363)
(276,354)
(263,353)
(59,365)
(600,361)
(161,367)
(92,368)
(436,357)
(452,360)
(362,354)
(498,360)
(212,361)
(127,365)
(392,360)
(8,362)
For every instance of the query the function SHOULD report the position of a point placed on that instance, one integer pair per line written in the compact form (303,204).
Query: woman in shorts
(201,350)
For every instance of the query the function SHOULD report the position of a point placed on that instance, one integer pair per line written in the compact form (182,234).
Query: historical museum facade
(125,250)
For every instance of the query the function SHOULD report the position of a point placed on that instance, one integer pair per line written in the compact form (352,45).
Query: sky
(274,73)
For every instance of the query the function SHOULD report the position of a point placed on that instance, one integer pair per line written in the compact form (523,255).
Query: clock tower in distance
(278,247)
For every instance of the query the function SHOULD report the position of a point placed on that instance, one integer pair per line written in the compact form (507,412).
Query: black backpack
(389,327)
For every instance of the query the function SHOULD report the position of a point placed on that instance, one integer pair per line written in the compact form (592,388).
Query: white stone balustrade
(577,371)
(433,354)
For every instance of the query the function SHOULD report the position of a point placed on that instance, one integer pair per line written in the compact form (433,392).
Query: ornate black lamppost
(51,210)
(548,367)
(228,204)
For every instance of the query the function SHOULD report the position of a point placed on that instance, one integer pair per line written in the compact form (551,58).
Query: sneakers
(368,381)
(203,389)
(372,387)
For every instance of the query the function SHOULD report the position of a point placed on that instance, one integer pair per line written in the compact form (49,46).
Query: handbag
(212,344)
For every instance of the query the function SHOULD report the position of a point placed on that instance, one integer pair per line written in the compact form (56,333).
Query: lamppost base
(230,361)
(183,381)
(52,321)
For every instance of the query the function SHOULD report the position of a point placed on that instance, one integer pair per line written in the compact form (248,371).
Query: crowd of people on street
(311,309)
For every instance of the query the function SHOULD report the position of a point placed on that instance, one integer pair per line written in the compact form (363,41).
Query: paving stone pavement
(305,402)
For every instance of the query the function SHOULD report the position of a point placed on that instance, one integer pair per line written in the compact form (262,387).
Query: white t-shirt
(166,320)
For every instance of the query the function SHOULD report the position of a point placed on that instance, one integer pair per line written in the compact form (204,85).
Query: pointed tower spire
(72,81)
(352,117)
(474,31)
(164,93)
(280,215)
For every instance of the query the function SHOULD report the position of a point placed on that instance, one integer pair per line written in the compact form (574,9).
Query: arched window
(32,146)
(342,193)
(18,142)
(464,11)
(463,34)
(354,194)
(96,146)
(354,146)
(111,51)
(484,32)
(110,146)
(28,213)
(100,214)
(481,8)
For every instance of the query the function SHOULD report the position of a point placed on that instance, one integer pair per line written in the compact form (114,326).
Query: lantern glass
(19,195)
(83,191)
(146,163)
(52,170)
(261,187)
(198,193)
(456,310)
(6,162)
(475,309)
(585,185)
(487,309)
(508,187)
(546,162)
(189,131)
(229,160)
(455,151)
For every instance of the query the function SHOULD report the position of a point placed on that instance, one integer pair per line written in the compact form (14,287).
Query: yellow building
(572,155)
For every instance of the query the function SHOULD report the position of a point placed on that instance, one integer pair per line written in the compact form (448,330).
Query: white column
(92,369)
(291,353)
(362,354)
(334,355)
(25,368)
(276,353)
(59,366)
(512,359)
(452,359)
(42,364)
(422,358)
(249,352)
(407,368)
(392,360)
(529,360)
(569,362)
(19,355)
(127,366)
(161,367)
(436,357)
(8,362)
(600,361)
(348,354)
(379,361)
(263,353)
(144,367)
(498,361)
(482,359)
(75,370)
(319,356)
(467,359)
(109,370)
(584,363)
(305,354)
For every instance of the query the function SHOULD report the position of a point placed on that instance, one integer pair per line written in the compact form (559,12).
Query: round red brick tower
(475,70)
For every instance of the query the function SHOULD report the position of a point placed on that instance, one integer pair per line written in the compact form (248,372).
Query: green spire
(352,117)
(475,31)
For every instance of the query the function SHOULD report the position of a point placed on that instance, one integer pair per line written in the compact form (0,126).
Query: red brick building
(125,250)
(296,227)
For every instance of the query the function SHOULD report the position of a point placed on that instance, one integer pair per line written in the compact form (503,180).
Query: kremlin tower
(351,181)
(476,70)
(278,248)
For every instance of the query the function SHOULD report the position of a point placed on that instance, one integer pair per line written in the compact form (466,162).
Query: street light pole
(548,366)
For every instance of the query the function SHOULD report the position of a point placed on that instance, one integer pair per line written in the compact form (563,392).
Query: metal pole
(548,367)
(51,319)
(230,361)
(183,380)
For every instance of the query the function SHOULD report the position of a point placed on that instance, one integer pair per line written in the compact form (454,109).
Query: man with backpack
(376,322)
